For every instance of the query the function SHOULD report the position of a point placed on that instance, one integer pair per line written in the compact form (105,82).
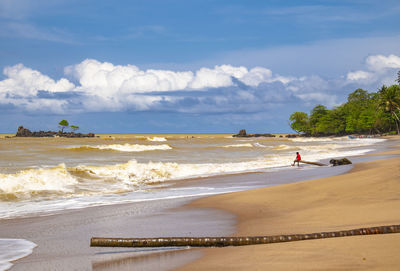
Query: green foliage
(398,77)
(362,113)
(63,124)
(300,122)
(318,117)
(74,128)
(389,100)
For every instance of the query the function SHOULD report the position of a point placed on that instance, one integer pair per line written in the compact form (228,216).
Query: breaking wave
(260,145)
(62,181)
(124,147)
(312,139)
(156,139)
(246,145)
(284,147)
(36,182)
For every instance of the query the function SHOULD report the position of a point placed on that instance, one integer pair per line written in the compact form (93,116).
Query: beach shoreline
(63,239)
(367,195)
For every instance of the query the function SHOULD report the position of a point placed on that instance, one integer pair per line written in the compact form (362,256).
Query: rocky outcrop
(23,132)
(340,162)
(243,133)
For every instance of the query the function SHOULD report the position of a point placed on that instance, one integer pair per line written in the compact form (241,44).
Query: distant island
(363,113)
(23,132)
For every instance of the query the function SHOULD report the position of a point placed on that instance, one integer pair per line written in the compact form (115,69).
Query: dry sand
(369,195)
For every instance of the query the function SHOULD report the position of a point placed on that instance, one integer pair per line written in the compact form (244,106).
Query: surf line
(233,241)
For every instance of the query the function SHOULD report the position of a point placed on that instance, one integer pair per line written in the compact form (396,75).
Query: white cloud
(380,62)
(23,81)
(105,79)
(107,87)
(220,76)
(256,76)
(359,75)
(379,67)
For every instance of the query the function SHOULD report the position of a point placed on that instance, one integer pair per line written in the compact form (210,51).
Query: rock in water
(242,132)
(340,162)
(23,132)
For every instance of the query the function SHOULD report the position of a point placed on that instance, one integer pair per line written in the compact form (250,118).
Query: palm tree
(389,100)
(398,77)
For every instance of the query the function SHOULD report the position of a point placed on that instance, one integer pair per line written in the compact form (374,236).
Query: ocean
(43,176)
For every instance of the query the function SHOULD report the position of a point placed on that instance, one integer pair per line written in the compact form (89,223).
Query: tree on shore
(300,122)
(389,100)
(63,124)
(362,113)
(74,128)
(398,77)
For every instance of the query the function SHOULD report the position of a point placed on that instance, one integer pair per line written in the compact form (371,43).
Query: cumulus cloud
(105,78)
(23,81)
(359,75)
(380,62)
(103,86)
(378,67)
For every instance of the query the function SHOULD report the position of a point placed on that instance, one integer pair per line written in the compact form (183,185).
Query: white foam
(246,145)
(156,139)
(312,139)
(28,183)
(284,147)
(260,145)
(126,147)
(13,249)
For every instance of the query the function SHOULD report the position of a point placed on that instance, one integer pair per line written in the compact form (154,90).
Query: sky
(188,66)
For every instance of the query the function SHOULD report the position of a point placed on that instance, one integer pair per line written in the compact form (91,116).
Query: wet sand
(63,239)
(368,195)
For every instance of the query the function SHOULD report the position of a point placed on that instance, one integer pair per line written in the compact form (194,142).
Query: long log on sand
(233,241)
(312,163)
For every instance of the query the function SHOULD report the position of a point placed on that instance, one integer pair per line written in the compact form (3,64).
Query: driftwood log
(233,241)
(312,163)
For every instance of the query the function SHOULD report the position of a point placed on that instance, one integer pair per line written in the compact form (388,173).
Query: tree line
(363,113)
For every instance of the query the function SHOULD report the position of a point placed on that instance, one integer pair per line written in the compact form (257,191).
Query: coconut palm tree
(398,77)
(389,100)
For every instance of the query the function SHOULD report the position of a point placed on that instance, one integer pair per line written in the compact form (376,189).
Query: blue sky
(176,66)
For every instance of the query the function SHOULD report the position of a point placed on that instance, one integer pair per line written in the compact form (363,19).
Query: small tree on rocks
(63,124)
(74,128)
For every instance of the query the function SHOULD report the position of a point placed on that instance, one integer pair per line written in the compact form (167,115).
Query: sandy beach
(368,195)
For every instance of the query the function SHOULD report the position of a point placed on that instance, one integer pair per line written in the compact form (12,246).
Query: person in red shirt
(298,158)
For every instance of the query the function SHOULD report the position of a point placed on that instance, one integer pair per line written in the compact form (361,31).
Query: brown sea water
(46,174)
